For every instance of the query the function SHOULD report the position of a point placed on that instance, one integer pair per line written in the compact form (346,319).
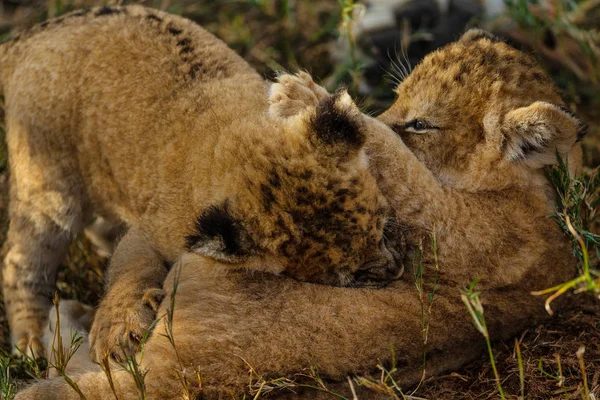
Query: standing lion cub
(136,114)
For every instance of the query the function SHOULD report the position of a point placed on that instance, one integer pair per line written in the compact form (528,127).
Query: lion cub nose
(378,272)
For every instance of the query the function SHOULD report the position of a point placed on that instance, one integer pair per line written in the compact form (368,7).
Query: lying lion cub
(144,116)
(483,119)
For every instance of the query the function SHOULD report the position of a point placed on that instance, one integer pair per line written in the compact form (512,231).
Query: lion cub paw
(292,94)
(121,323)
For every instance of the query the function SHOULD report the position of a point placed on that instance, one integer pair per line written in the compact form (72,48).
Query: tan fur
(144,116)
(486,226)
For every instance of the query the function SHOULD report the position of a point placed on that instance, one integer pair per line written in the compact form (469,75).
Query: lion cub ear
(218,235)
(337,125)
(534,134)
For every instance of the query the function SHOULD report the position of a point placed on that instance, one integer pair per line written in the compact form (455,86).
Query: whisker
(404,68)
(391,78)
(397,63)
(405,56)
(395,71)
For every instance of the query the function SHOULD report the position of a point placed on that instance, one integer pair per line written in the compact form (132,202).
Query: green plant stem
(496,375)
(521,369)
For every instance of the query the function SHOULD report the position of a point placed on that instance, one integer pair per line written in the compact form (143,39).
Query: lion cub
(136,114)
(478,121)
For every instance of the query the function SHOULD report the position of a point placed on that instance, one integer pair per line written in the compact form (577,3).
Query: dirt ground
(271,37)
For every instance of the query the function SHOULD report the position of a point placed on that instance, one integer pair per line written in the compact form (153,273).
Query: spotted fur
(492,104)
(153,120)
(469,212)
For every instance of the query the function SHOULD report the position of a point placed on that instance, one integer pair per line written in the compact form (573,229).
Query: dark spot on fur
(286,248)
(333,126)
(280,223)
(153,17)
(194,70)
(217,222)
(306,174)
(107,11)
(184,42)
(297,216)
(504,74)
(489,58)
(336,208)
(458,77)
(536,76)
(186,49)
(268,197)
(529,148)
(342,192)
(332,183)
(275,180)
(340,241)
(174,31)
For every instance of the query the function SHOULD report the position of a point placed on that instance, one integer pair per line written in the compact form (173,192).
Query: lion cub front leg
(134,281)
(292,94)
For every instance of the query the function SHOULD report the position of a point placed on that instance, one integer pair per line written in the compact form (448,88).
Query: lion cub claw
(119,329)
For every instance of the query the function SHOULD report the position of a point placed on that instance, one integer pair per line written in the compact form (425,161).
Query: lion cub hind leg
(45,209)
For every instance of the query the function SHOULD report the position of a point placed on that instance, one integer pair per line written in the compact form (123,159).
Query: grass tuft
(60,356)
(521,368)
(181,372)
(7,384)
(105,366)
(133,367)
(473,303)
(577,205)
(259,385)
(426,300)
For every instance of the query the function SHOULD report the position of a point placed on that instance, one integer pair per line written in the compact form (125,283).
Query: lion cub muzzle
(386,264)
(380,271)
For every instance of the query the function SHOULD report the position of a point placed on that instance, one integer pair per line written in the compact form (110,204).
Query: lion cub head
(297,198)
(482,115)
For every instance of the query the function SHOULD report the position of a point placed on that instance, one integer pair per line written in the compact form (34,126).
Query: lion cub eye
(418,125)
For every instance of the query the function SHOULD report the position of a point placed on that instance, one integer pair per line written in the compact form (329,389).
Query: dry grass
(285,34)
(549,352)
